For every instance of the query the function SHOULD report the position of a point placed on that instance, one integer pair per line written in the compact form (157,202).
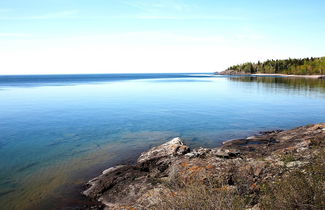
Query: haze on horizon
(142,36)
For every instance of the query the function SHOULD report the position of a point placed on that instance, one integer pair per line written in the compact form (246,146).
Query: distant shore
(292,75)
(241,73)
(300,67)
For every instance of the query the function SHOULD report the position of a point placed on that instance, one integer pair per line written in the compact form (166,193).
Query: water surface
(57,131)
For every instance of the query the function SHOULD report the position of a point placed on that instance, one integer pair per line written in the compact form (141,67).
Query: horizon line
(107,73)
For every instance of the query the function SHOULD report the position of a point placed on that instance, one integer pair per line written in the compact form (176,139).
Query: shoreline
(292,75)
(141,185)
(234,73)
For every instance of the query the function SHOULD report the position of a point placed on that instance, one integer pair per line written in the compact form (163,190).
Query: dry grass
(200,194)
(300,189)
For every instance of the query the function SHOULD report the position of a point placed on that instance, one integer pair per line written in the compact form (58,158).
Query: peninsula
(306,67)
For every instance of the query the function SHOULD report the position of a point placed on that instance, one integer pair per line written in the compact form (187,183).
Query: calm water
(58,131)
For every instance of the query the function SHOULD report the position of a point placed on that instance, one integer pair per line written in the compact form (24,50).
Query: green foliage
(305,66)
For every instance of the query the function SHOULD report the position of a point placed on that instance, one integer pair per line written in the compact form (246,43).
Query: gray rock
(221,153)
(295,164)
(201,152)
(172,148)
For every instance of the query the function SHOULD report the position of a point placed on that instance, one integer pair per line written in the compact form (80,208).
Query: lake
(58,131)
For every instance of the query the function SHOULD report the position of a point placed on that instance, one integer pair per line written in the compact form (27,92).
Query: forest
(304,66)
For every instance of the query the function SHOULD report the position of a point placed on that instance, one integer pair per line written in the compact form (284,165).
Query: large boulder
(174,147)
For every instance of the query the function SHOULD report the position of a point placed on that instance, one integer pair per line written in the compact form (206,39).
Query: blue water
(57,131)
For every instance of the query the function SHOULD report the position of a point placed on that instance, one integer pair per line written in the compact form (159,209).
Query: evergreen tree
(289,66)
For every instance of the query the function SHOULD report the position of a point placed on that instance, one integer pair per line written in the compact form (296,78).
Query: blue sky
(106,36)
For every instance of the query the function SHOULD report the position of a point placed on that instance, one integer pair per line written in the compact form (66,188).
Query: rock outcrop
(256,160)
(124,185)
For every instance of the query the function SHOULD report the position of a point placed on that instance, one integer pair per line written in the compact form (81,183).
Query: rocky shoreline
(241,165)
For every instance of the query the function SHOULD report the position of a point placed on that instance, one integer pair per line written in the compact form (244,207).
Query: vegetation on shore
(304,66)
(299,188)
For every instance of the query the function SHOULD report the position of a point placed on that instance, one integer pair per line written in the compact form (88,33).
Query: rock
(270,132)
(258,167)
(244,164)
(232,152)
(252,137)
(226,153)
(124,184)
(182,150)
(111,178)
(112,169)
(172,148)
(255,207)
(296,164)
(279,163)
(304,145)
(220,153)
(201,152)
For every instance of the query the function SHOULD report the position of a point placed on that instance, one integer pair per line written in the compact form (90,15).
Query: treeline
(305,66)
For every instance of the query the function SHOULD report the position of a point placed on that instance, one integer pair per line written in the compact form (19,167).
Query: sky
(154,36)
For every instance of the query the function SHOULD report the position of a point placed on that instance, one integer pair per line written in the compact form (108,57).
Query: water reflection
(285,82)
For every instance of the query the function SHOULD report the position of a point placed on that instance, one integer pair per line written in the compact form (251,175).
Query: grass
(300,189)
(288,158)
(198,195)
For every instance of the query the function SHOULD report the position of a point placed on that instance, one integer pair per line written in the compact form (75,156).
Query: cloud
(55,15)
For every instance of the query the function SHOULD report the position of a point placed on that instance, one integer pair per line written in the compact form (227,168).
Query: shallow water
(58,131)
